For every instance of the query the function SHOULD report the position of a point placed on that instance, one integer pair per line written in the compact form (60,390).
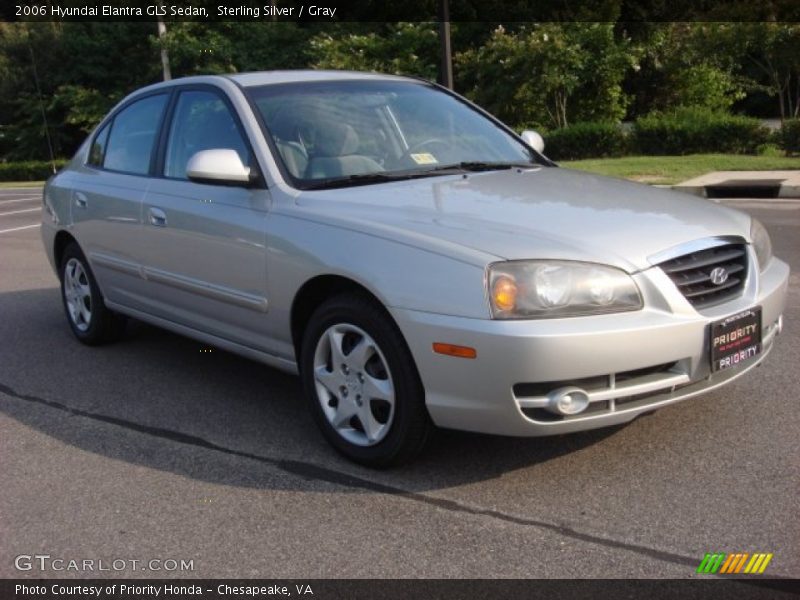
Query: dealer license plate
(735,339)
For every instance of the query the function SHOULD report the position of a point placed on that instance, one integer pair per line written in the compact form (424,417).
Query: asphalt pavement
(154,449)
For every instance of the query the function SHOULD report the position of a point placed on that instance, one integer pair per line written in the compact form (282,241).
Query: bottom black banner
(389,589)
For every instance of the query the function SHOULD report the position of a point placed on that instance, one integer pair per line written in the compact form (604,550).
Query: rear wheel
(90,320)
(361,383)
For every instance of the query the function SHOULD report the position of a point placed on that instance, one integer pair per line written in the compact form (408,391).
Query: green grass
(669,170)
(20,184)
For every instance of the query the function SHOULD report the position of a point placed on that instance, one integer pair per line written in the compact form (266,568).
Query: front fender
(398,274)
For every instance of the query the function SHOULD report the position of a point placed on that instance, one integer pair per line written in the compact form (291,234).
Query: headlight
(535,289)
(761,243)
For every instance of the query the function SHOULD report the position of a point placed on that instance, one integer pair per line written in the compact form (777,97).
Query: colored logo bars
(734,563)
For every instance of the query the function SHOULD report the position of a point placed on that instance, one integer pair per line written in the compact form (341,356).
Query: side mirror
(221,165)
(533,139)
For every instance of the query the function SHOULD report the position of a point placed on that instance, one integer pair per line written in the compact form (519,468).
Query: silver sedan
(411,257)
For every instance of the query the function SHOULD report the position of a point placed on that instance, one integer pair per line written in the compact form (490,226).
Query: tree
(402,48)
(683,65)
(75,93)
(774,49)
(549,74)
(84,68)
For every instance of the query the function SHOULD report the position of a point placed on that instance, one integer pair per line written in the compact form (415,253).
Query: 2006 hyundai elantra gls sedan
(411,257)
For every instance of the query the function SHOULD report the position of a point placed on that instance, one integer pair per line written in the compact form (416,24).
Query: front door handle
(157,217)
(81,201)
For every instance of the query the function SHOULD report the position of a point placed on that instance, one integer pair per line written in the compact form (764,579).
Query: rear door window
(98,151)
(133,135)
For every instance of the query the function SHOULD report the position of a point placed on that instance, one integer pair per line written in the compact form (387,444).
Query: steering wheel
(421,146)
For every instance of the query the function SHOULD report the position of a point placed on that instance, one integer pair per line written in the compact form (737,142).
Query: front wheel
(361,383)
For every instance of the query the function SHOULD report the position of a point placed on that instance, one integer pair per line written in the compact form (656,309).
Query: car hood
(533,213)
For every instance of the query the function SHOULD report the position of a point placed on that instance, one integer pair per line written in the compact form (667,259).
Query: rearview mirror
(533,139)
(221,165)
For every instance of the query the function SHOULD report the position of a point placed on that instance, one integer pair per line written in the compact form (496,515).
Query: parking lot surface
(156,448)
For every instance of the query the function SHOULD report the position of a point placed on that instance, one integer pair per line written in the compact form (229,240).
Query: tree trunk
(781,99)
(162,33)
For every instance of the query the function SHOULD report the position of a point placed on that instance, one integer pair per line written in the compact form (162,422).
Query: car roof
(292,76)
(271,77)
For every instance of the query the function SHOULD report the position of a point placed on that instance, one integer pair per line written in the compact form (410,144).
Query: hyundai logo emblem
(719,276)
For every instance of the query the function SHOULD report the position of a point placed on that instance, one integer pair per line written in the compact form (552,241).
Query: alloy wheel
(78,294)
(354,385)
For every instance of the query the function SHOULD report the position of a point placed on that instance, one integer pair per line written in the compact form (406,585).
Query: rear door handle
(81,201)
(157,217)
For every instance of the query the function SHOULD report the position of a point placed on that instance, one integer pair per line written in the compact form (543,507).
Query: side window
(98,150)
(133,132)
(201,121)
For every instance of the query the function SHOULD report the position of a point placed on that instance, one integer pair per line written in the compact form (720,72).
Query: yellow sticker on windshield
(424,158)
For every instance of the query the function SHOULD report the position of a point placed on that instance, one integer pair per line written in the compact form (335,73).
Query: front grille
(692,274)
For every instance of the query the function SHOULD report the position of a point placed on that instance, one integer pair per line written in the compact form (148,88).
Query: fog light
(568,400)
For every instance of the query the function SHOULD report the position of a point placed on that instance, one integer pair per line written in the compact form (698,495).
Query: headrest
(335,139)
(283,124)
(291,117)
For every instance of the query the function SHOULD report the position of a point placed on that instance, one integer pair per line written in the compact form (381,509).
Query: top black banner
(496,11)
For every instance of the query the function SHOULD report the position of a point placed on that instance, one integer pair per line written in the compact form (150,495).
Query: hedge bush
(29,170)
(769,149)
(790,136)
(696,131)
(586,140)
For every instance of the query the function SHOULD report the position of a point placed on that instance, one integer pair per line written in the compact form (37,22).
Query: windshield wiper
(477,166)
(360,179)
(384,176)
(379,177)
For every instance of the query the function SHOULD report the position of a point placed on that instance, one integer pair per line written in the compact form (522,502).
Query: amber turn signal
(504,293)
(453,350)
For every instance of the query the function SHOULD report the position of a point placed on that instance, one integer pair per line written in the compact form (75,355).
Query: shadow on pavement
(163,401)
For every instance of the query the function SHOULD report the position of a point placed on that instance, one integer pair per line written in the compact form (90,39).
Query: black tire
(410,424)
(103,325)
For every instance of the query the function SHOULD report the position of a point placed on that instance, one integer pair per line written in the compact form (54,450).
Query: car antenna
(41,102)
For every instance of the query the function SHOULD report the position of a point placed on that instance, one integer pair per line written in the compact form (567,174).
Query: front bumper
(633,362)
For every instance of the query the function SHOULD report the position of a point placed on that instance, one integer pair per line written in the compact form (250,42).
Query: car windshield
(340,133)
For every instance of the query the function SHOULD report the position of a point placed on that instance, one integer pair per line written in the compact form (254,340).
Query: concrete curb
(754,184)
